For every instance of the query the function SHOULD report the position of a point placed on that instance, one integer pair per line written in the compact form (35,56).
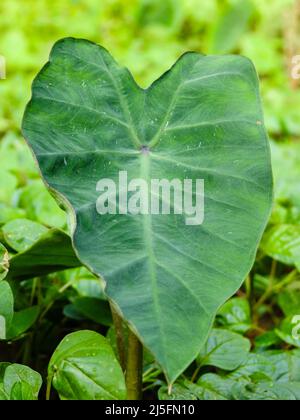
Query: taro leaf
(84,367)
(21,382)
(88,120)
(22,321)
(235,315)
(21,234)
(6,308)
(225,350)
(52,252)
(4,262)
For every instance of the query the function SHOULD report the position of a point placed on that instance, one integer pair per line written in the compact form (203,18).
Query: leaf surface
(88,120)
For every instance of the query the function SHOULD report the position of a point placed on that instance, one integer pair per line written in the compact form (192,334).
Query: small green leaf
(21,234)
(179,391)
(289,302)
(235,315)
(6,308)
(84,367)
(8,185)
(286,363)
(267,340)
(22,391)
(26,377)
(282,243)
(225,350)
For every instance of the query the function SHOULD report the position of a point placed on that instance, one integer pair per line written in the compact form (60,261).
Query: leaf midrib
(145,166)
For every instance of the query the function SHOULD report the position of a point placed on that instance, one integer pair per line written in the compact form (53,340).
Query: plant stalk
(134,368)
(119,329)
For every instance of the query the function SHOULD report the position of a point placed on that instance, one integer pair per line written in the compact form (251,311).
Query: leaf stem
(134,368)
(49,386)
(119,329)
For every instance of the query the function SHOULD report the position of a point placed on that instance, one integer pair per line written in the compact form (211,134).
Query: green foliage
(39,305)
(84,367)
(6,309)
(149,252)
(225,350)
(19,382)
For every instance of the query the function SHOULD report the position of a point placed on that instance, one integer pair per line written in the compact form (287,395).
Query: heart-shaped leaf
(21,234)
(84,367)
(88,120)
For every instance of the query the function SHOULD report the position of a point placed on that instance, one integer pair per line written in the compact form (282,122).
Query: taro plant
(165,279)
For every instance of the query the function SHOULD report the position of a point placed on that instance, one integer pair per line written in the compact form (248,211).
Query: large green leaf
(52,252)
(88,120)
(84,367)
